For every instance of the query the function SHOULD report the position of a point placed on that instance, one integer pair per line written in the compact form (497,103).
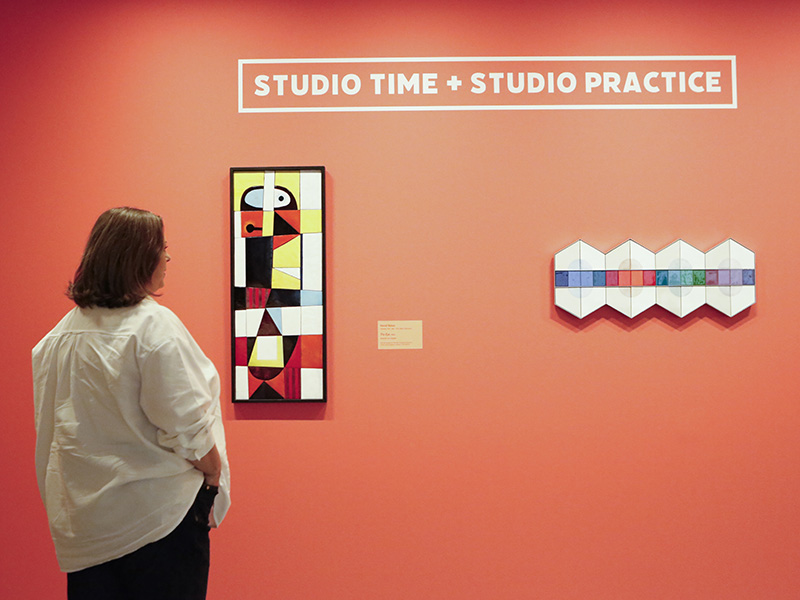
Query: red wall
(522,453)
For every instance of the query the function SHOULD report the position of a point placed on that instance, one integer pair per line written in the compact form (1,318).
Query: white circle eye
(282,198)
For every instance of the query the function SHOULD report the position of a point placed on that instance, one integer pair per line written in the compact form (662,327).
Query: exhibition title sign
(498,83)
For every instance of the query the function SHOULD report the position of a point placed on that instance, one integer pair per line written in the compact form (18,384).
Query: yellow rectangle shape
(310,221)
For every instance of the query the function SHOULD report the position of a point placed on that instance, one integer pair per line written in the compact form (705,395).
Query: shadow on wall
(280,411)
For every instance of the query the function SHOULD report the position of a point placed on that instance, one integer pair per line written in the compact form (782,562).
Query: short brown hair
(120,258)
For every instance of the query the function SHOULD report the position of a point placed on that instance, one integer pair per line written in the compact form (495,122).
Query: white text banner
(501,83)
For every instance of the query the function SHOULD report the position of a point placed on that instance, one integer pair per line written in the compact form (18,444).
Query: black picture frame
(278,281)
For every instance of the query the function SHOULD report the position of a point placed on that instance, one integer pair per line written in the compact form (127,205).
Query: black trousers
(172,568)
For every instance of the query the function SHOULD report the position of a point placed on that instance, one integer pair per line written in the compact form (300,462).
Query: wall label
(399,335)
(487,83)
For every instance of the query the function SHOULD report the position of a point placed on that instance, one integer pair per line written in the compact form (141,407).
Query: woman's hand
(210,465)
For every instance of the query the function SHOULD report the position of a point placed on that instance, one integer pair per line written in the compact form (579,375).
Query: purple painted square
(724,277)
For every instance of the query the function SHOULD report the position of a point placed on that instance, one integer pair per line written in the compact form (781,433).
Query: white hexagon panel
(626,288)
(680,278)
(579,269)
(730,277)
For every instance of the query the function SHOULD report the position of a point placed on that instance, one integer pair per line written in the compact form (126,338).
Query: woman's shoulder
(156,323)
(62,325)
(150,307)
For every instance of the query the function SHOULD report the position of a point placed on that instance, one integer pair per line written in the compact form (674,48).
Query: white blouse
(124,397)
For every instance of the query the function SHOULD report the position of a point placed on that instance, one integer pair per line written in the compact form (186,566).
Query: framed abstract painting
(278,284)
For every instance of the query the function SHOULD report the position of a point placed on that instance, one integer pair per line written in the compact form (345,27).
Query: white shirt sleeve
(176,398)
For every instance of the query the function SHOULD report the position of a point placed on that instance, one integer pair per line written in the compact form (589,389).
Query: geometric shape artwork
(631,296)
(577,268)
(733,269)
(681,269)
(631,278)
(278,284)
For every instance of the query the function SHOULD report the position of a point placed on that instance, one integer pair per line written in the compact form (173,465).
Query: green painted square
(700,277)
(686,277)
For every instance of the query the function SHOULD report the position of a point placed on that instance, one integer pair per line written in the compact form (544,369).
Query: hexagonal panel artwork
(730,277)
(278,284)
(578,268)
(631,262)
(631,278)
(680,269)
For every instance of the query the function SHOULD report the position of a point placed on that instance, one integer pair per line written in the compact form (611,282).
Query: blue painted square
(662,277)
(674,278)
(586,278)
(310,298)
(599,278)
(574,279)
(562,278)
(748,276)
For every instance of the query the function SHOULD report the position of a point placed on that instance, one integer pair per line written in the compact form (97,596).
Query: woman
(130,450)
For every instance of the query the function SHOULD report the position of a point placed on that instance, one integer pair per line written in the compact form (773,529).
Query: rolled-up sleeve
(176,399)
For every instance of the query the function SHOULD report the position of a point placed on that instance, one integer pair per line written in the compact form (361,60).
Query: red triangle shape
(292,217)
(277,384)
(280,240)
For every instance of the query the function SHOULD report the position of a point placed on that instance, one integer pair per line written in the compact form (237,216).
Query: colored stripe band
(657,277)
